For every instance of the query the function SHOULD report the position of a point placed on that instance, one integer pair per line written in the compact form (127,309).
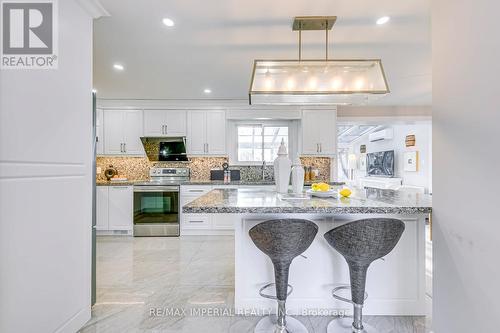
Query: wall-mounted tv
(380,164)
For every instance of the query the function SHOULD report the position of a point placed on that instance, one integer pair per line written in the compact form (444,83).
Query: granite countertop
(261,201)
(203,182)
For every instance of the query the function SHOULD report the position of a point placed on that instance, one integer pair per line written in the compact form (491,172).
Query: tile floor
(139,279)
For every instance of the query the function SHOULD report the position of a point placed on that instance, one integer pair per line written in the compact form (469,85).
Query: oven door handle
(156,189)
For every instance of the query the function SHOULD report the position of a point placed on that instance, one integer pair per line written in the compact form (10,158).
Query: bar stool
(360,243)
(282,240)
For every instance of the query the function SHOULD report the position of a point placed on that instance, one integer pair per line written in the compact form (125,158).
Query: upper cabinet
(122,132)
(319,132)
(164,123)
(206,132)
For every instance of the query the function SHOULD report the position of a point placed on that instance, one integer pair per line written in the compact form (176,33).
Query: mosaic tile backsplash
(137,168)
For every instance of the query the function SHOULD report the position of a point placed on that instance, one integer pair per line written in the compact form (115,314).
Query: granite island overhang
(395,285)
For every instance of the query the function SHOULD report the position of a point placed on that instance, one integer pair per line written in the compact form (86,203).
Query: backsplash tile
(137,168)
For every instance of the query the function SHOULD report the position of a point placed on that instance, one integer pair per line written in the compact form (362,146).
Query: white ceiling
(214,42)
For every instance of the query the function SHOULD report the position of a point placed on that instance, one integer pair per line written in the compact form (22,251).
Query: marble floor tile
(163,284)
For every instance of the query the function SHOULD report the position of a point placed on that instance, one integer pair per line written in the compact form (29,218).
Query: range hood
(165,149)
(319,81)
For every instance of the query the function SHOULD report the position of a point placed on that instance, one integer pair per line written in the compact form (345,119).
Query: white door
(132,132)
(154,122)
(113,132)
(328,132)
(102,208)
(46,186)
(120,207)
(196,139)
(311,121)
(216,132)
(175,122)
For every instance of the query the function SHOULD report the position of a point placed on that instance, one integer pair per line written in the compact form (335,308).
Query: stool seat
(360,243)
(282,240)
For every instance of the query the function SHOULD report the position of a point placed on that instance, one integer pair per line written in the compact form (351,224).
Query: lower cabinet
(203,224)
(114,207)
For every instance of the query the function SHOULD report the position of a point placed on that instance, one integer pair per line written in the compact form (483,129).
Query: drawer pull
(196,221)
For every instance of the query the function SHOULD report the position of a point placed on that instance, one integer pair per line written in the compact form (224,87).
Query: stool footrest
(272,296)
(343,299)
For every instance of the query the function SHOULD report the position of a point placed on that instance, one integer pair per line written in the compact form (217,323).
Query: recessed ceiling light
(118,67)
(383,20)
(168,22)
(207,91)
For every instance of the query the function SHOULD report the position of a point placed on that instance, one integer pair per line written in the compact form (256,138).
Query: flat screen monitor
(380,164)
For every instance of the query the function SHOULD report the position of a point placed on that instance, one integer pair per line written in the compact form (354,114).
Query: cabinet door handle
(124,147)
(207,148)
(162,129)
(320,148)
(121,147)
(196,221)
(195,191)
(166,129)
(317,148)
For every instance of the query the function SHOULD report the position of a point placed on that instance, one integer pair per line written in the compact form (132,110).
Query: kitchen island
(395,285)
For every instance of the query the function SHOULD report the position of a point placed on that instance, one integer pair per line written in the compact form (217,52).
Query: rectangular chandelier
(317,82)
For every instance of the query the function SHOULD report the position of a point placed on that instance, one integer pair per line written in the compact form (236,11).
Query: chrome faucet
(263,170)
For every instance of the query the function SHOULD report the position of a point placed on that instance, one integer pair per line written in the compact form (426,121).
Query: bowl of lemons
(322,190)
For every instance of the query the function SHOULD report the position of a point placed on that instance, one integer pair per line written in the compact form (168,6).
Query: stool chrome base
(344,325)
(268,324)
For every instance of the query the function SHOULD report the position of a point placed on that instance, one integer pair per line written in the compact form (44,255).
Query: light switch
(98,170)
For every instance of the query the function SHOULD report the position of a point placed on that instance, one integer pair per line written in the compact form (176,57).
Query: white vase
(297,176)
(282,169)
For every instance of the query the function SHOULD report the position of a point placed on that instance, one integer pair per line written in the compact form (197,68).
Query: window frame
(233,151)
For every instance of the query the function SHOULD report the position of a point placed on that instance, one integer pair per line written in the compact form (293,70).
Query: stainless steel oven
(157,203)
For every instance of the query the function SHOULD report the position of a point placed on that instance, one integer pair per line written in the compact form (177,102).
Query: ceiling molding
(93,7)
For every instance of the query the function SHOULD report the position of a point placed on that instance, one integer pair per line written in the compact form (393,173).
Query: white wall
(466,124)
(45,186)
(422,132)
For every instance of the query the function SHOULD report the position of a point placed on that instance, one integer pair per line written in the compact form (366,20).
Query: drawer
(195,191)
(195,221)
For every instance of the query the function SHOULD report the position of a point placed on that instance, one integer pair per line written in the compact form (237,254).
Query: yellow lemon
(320,187)
(324,187)
(345,192)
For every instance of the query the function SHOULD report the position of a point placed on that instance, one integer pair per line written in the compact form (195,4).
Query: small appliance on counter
(157,202)
(225,174)
(110,172)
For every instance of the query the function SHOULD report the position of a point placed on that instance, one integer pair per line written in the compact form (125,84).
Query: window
(258,142)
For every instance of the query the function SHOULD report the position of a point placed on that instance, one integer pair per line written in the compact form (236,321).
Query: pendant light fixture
(319,81)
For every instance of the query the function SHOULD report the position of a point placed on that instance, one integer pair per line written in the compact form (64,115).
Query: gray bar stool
(361,242)
(282,240)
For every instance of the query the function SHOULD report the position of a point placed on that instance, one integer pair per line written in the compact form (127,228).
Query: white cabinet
(197,132)
(216,132)
(102,208)
(120,207)
(122,132)
(194,221)
(206,132)
(114,208)
(319,132)
(164,123)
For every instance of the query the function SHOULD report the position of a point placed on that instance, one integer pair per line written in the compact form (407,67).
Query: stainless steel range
(156,202)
